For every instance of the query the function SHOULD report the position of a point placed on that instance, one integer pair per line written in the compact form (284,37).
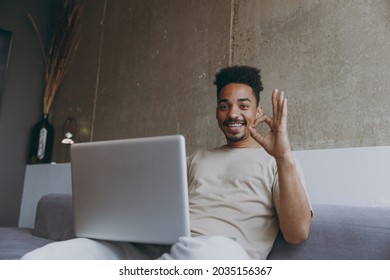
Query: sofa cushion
(341,233)
(54,217)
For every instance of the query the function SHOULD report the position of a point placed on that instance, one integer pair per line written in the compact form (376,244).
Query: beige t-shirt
(232,192)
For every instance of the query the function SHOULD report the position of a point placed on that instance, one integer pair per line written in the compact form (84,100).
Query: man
(250,187)
(240,194)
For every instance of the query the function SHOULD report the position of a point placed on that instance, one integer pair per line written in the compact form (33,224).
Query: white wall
(348,176)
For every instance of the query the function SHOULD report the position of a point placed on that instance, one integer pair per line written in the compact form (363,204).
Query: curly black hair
(240,74)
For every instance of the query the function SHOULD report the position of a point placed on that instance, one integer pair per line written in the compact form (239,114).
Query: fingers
(256,135)
(277,137)
(275,110)
(279,108)
(261,119)
(279,105)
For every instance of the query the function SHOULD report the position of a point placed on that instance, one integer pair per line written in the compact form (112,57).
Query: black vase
(42,137)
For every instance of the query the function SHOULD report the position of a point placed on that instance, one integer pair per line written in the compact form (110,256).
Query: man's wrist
(285,159)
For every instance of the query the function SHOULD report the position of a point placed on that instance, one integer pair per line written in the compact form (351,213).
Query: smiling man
(240,194)
(252,187)
(237,107)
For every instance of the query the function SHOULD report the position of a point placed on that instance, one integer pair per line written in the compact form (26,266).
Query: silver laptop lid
(131,190)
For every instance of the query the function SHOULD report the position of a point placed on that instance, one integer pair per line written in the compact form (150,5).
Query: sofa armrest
(54,217)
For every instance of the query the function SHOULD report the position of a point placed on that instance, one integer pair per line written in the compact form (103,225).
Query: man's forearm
(294,209)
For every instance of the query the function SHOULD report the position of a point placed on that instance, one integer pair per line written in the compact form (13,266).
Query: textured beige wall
(146,68)
(333,60)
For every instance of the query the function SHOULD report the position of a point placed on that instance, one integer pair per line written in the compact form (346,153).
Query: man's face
(236,111)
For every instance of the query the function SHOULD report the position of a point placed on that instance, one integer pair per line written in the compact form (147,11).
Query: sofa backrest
(337,232)
(341,233)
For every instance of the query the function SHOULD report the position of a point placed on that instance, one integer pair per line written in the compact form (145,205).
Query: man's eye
(244,106)
(222,107)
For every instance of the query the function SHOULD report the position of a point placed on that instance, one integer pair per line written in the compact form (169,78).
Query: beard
(235,138)
(231,136)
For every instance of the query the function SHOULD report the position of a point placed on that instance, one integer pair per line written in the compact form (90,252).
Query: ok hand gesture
(276,141)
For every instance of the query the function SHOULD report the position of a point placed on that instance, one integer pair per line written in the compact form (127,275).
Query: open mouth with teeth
(234,125)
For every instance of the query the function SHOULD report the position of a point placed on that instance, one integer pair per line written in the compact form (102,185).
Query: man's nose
(234,112)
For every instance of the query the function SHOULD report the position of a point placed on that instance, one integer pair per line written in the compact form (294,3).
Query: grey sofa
(341,233)
(337,233)
(53,222)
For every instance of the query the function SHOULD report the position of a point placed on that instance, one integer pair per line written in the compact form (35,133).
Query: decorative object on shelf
(68,139)
(69,132)
(64,43)
(42,137)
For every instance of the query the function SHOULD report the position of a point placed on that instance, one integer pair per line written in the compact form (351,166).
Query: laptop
(132,190)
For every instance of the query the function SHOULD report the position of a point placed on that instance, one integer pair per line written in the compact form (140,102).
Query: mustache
(235,121)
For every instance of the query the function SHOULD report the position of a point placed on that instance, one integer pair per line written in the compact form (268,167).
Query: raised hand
(276,142)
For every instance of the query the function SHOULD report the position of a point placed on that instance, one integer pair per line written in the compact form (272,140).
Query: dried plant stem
(64,43)
(35,26)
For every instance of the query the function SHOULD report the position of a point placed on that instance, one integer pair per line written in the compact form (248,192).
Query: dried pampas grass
(63,45)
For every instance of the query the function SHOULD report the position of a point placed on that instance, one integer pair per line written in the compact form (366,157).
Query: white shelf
(39,180)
